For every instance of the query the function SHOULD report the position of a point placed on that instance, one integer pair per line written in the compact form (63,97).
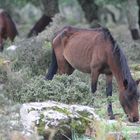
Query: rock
(52,119)
(17,136)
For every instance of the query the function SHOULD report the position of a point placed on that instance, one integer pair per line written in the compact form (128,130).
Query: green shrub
(31,58)
(67,89)
(3,76)
(34,56)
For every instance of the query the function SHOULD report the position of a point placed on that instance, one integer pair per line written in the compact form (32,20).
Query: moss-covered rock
(53,118)
(57,121)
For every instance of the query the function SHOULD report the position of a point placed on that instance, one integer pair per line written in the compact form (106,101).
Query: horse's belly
(85,69)
(77,61)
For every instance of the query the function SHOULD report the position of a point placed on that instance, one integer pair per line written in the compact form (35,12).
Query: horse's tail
(53,67)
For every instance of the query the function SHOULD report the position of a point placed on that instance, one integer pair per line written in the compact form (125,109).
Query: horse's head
(129,100)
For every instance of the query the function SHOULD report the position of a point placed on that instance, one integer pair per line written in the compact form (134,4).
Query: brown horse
(7,28)
(95,51)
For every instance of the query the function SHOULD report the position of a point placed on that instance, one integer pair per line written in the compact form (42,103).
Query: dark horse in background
(39,26)
(7,28)
(94,51)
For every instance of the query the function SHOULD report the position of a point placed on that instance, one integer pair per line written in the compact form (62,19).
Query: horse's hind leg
(70,69)
(109,94)
(64,67)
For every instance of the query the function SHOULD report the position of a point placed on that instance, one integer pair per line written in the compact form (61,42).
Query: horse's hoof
(46,78)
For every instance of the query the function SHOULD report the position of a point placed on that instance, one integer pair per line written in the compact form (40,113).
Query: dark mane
(123,63)
(120,58)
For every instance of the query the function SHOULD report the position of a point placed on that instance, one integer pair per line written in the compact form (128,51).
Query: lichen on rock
(55,116)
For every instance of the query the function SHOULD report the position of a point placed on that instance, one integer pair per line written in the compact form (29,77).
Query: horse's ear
(137,81)
(125,83)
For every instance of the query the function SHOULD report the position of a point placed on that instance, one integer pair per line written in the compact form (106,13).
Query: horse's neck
(120,67)
(119,79)
(121,76)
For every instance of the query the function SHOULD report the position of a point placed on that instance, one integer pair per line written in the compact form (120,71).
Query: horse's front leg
(109,94)
(94,79)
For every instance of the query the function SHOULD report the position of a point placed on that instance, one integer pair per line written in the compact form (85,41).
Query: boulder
(53,119)
(57,121)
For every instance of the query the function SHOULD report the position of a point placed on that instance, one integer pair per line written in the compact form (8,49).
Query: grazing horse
(39,26)
(7,28)
(94,51)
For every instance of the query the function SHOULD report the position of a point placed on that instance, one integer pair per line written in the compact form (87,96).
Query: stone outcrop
(49,118)
(57,121)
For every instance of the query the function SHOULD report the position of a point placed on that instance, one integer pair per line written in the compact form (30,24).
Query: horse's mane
(123,62)
(119,57)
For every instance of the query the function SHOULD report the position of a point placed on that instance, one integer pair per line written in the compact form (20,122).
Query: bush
(31,58)
(33,55)
(66,89)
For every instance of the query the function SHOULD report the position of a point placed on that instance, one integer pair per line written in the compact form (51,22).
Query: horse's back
(84,49)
